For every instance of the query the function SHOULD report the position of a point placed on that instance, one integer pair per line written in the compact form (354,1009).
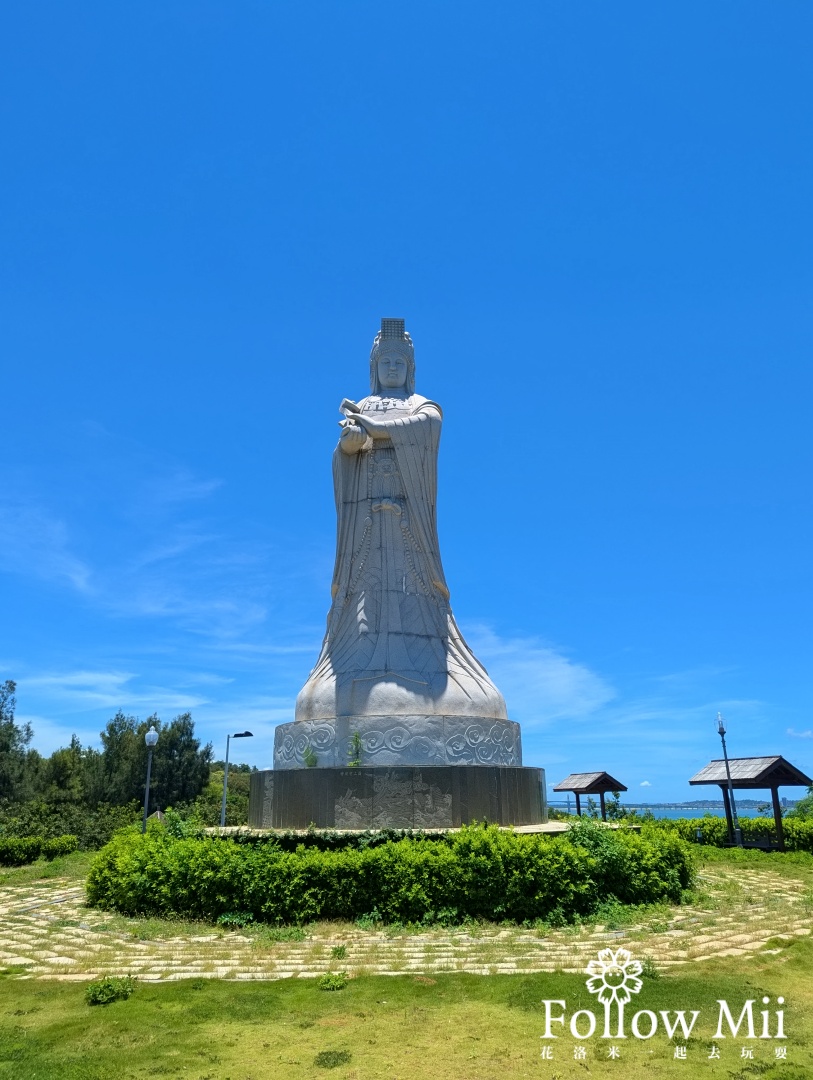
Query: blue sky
(596,221)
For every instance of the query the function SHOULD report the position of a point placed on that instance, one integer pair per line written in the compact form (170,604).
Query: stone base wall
(398,740)
(426,797)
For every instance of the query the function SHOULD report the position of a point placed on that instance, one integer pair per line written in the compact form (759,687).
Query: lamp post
(150,738)
(735,820)
(238,735)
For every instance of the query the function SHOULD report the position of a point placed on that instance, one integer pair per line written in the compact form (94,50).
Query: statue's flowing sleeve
(415,440)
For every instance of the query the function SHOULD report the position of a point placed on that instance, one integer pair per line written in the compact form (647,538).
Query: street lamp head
(243,735)
(151,737)
(720,724)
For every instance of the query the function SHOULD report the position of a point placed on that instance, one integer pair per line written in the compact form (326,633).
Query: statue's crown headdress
(392,331)
(392,328)
(392,335)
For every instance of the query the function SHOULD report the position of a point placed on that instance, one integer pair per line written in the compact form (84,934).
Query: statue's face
(392,370)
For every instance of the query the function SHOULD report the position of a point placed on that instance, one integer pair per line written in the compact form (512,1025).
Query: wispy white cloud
(261,711)
(310,647)
(181,485)
(36,543)
(645,783)
(50,734)
(75,691)
(165,550)
(204,678)
(540,684)
(800,734)
(212,615)
(61,703)
(692,676)
(673,718)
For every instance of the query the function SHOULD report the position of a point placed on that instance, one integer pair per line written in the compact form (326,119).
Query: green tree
(62,775)
(615,811)
(207,804)
(180,767)
(93,777)
(124,757)
(14,740)
(804,807)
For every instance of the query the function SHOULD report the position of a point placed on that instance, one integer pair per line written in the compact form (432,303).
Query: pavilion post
(728,817)
(578,804)
(777,816)
(603,807)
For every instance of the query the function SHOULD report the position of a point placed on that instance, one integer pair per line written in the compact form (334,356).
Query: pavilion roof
(753,772)
(589,783)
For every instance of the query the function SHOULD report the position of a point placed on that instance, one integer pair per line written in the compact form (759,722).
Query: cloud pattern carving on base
(420,740)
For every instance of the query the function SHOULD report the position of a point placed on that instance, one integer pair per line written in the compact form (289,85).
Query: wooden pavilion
(590,783)
(749,773)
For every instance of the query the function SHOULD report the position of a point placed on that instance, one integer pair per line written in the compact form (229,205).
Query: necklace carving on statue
(383,404)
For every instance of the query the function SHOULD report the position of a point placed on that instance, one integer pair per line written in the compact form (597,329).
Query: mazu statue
(395,682)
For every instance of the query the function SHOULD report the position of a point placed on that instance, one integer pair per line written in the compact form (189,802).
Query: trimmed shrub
(19,850)
(648,864)
(327,839)
(59,845)
(798,833)
(480,872)
(714,830)
(92,826)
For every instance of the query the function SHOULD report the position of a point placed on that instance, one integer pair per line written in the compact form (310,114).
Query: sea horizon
(678,810)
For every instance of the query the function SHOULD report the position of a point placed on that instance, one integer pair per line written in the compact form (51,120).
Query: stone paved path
(46,931)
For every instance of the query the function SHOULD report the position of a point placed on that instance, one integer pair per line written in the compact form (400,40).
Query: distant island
(691,804)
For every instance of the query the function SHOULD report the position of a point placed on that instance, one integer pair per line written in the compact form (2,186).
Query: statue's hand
(352,438)
(348,407)
(378,429)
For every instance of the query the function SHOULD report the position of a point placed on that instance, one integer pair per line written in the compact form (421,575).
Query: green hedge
(93,826)
(480,872)
(328,839)
(714,830)
(184,827)
(19,850)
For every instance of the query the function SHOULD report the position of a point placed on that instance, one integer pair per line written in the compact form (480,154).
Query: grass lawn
(437,1026)
(73,868)
(460,1027)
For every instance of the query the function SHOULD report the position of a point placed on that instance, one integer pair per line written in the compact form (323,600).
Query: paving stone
(50,924)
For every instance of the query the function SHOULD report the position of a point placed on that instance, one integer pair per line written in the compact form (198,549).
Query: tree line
(80,789)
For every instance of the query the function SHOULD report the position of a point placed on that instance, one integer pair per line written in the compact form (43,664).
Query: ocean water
(696,812)
(685,812)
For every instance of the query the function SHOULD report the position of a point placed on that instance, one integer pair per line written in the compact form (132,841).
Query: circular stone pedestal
(425,797)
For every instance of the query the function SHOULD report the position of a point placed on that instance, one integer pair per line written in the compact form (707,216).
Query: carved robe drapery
(392,646)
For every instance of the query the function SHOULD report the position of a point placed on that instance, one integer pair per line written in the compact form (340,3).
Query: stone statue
(395,678)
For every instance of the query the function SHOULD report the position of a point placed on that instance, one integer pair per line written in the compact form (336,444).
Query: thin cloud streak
(51,734)
(182,485)
(540,684)
(82,690)
(155,562)
(36,544)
